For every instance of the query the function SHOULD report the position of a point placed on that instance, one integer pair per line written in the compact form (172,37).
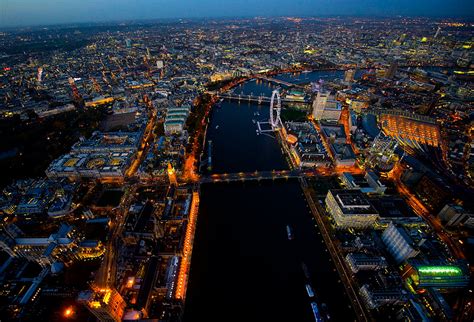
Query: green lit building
(439,275)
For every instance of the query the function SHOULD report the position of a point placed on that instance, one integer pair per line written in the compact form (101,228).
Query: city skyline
(284,167)
(26,13)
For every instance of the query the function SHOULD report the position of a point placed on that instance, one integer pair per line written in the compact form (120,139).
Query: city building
(90,165)
(349,75)
(357,105)
(65,245)
(319,104)
(147,285)
(103,155)
(306,147)
(333,133)
(336,139)
(343,154)
(368,183)
(433,191)
(399,244)
(413,311)
(107,305)
(176,119)
(411,129)
(381,154)
(363,262)
(455,215)
(438,274)
(172,175)
(375,298)
(391,71)
(350,209)
(326,108)
(394,209)
(109,142)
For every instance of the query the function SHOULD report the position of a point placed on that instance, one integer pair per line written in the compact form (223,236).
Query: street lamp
(68,312)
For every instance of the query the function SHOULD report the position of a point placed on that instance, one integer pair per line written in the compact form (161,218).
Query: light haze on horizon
(45,12)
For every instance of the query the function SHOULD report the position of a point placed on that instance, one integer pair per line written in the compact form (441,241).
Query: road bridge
(277,81)
(259,99)
(251,176)
(264,175)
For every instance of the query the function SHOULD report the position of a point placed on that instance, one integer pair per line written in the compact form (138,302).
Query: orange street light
(68,312)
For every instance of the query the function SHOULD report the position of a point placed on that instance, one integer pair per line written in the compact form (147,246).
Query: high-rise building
(107,304)
(349,75)
(128,42)
(39,77)
(391,71)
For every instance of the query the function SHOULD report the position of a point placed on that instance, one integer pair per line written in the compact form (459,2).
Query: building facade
(350,209)
(398,243)
(319,104)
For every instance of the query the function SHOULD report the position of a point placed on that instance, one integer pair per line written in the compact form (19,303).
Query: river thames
(244,267)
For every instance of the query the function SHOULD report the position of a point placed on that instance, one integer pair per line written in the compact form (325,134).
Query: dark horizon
(31,13)
(467,18)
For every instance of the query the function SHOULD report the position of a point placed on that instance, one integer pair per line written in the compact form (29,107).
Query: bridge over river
(264,175)
(277,81)
(259,99)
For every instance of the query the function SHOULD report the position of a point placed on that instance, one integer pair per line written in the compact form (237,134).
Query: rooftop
(352,201)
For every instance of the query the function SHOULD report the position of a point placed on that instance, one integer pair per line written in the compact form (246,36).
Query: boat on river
(289,232)
(317,315)
(309,290)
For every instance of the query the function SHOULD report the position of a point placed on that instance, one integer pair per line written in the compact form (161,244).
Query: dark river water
(244,268)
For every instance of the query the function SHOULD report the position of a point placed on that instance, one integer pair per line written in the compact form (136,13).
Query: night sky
(34,12)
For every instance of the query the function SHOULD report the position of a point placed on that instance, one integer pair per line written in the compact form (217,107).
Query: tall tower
(39,76)
(319,104)
(349,75)
(391,70)
(172,175)
(437,32)
(148,53)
